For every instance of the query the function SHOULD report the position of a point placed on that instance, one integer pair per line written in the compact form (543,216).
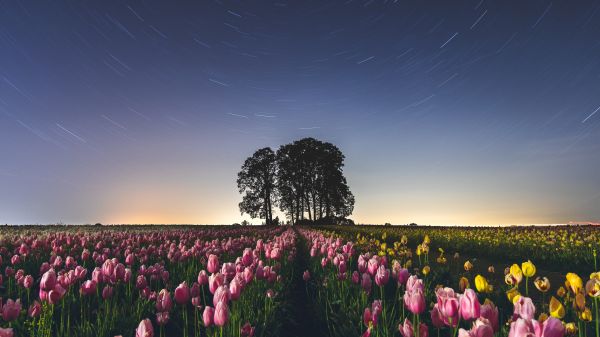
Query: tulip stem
(597,318)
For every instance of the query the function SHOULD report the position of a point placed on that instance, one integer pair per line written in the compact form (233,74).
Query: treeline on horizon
(304,179)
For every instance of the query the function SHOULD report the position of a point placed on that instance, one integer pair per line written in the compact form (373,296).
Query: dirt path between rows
(300,319)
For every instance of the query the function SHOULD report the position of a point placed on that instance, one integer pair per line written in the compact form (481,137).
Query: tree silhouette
(304,179)
(256,181)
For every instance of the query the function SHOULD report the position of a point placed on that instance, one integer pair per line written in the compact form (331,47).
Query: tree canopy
(303,179)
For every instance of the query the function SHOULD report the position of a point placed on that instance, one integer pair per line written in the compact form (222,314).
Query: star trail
(450,112)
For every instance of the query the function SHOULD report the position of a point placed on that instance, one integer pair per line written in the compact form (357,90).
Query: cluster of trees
(303,179)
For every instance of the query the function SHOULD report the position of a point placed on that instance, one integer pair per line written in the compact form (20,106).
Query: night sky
(450,112)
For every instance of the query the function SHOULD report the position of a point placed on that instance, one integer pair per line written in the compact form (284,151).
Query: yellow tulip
(579,302)
(463,284)
(574,282)
(561,292)
(543,316)
(557,310)
(426,239)
(570,328)
(528,268)
(481,284)
(513,294)
(585,315)
(592,287)
(542,284)
(426,270)
(468,265)
(516,273)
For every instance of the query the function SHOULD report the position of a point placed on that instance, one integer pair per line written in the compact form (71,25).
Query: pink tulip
(406,329)
(129,259)
(144,329)
(522,328)
(97,275)
(403,276)
(552,327)
(162,317)
(28,281)
(368,317)
(16,259)
(481,328)
(235,289)
(366,283)
(247,257)
(88,287)
(247,330)
(213,264)
(221,295)
(248,275)
(524,308)
(373,265)
(6,332)
(215,281)
(414,283)
(228,270)
(208,316)
(140,282)
(436,318)
(108,271)
(119,272)
(164,301)
(469,305)
(362,264)
(221,314)
(35,309)
(11,310)
(382,276)
(490,312)
(202,278)
(182,293)
(306,276)
(48,280)
(107,292)
(415,301)
(447,305)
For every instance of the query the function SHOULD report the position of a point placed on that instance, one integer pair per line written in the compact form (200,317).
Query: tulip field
(148,281)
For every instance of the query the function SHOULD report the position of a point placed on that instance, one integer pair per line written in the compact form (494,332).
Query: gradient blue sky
(451,112)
